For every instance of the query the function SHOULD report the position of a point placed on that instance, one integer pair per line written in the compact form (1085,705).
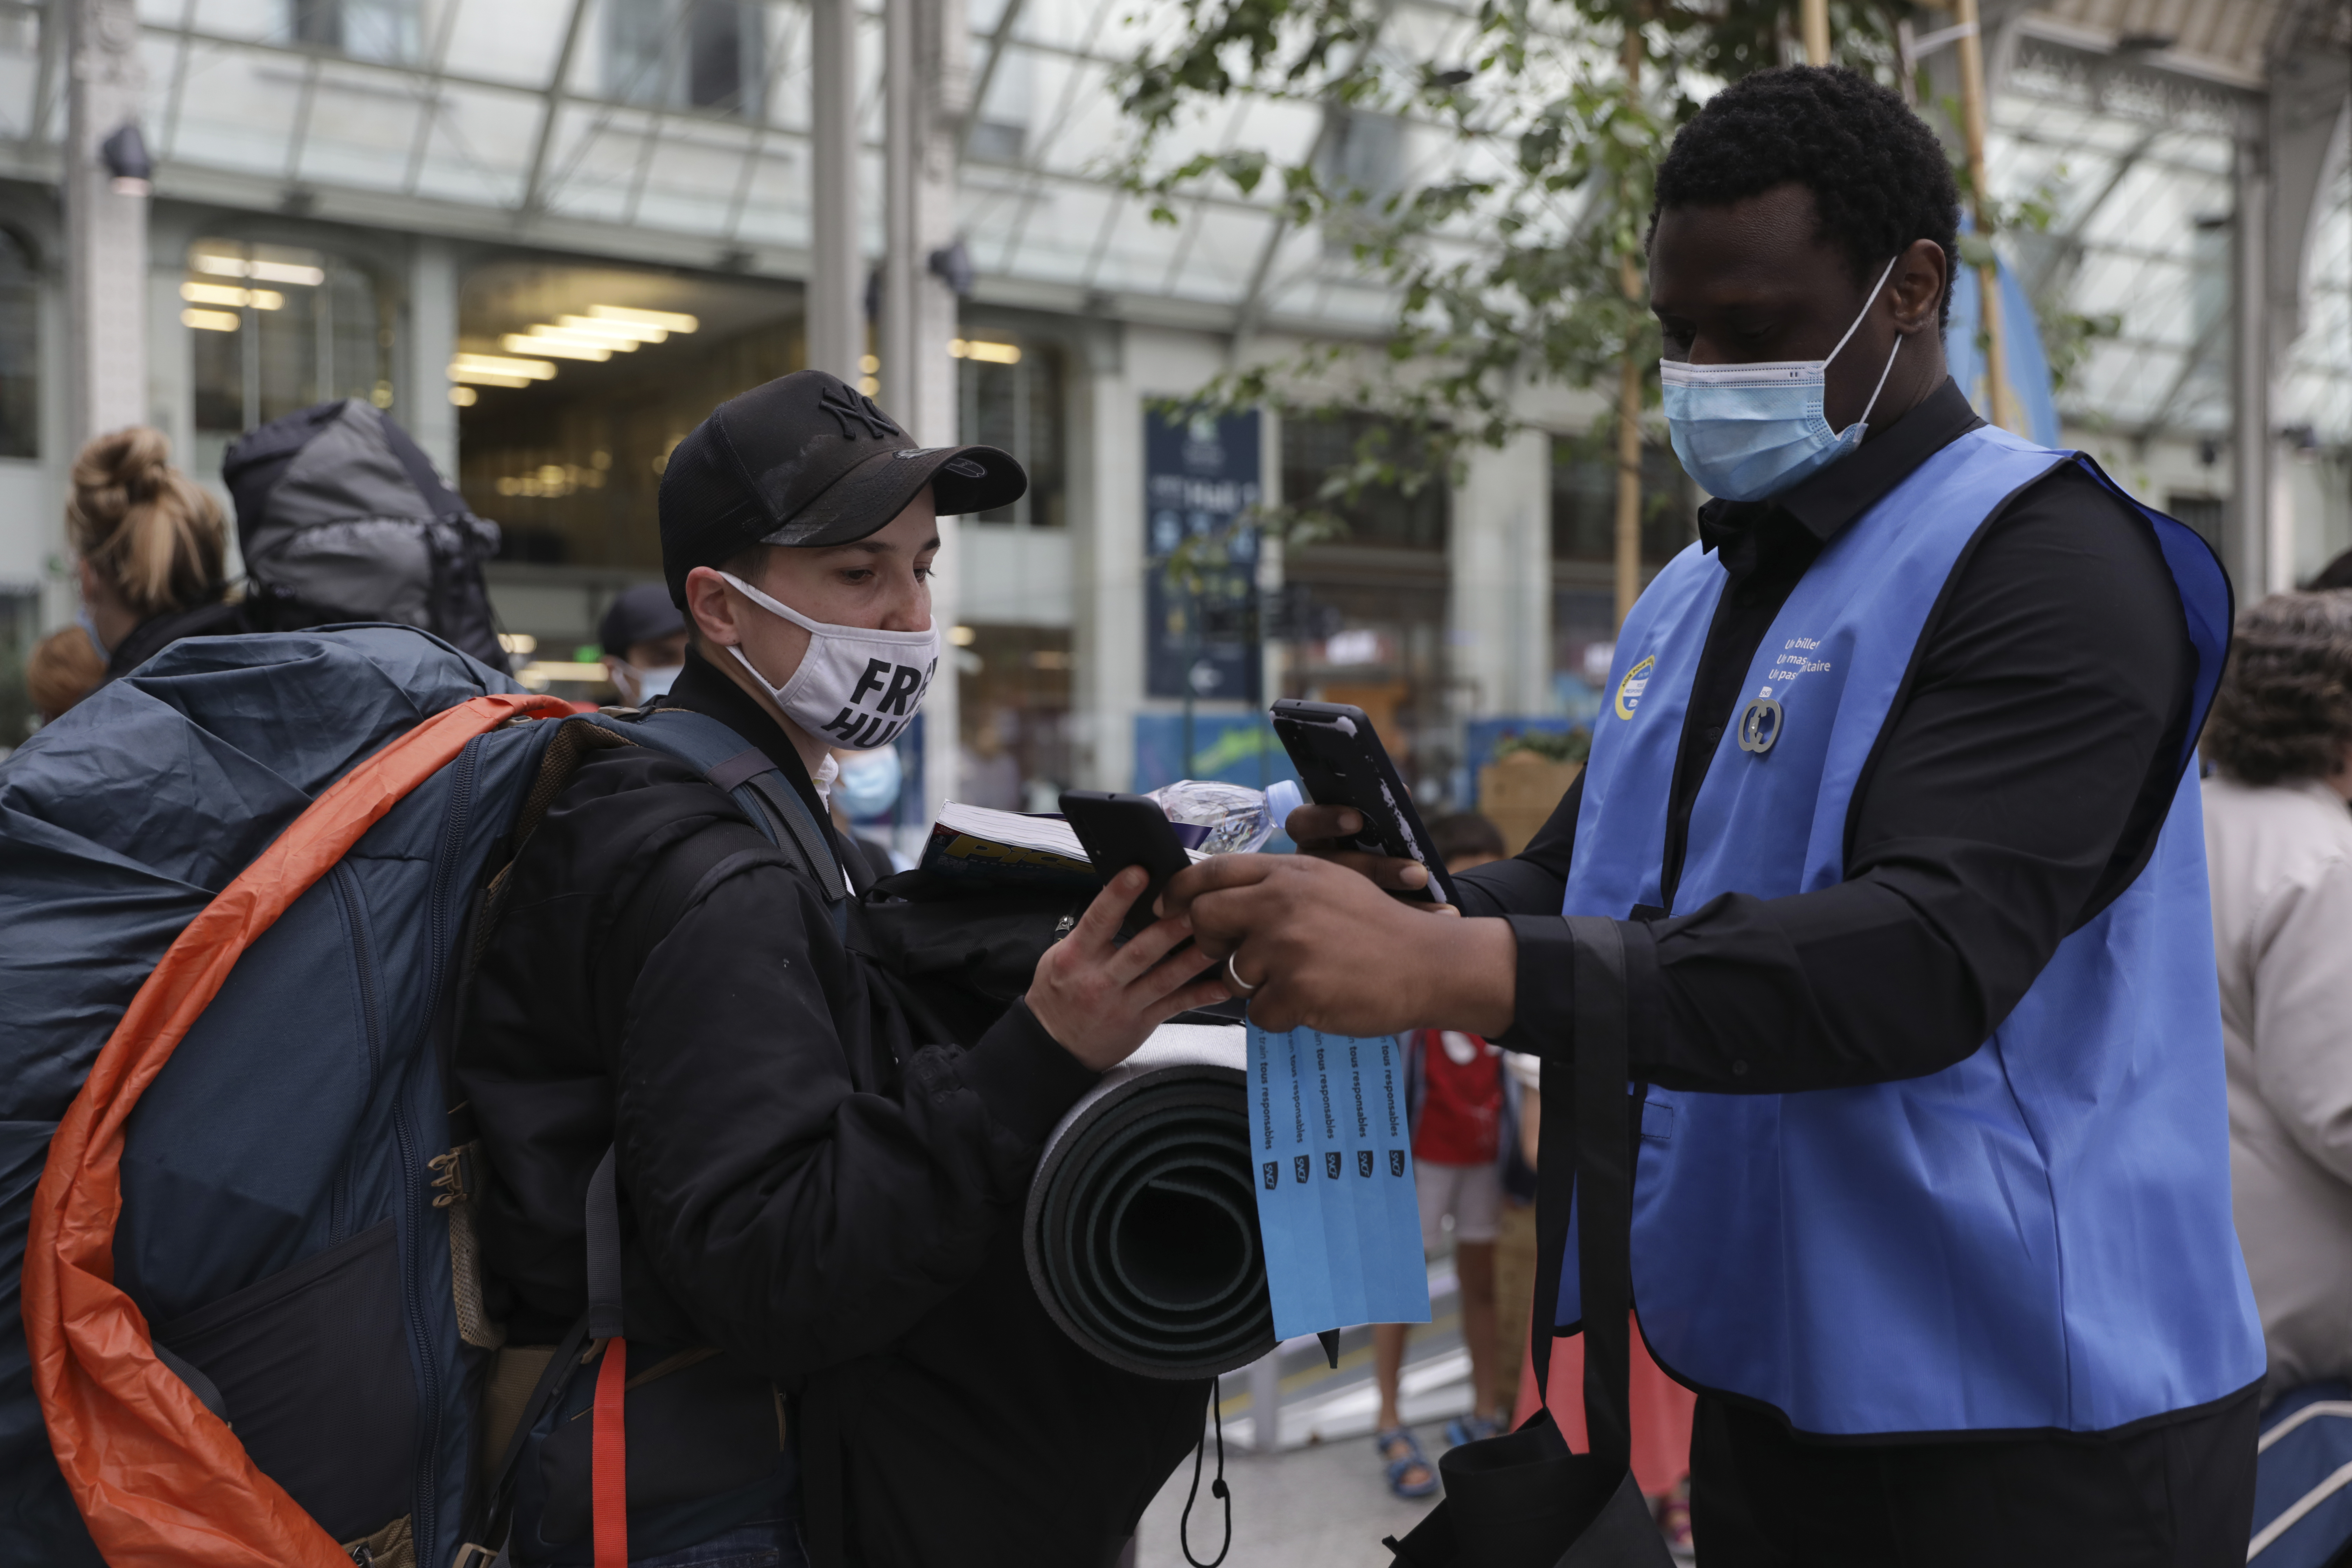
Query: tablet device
(1341,761)
(1123,830)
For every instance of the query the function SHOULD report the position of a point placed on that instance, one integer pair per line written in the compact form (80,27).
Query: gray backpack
(343,517)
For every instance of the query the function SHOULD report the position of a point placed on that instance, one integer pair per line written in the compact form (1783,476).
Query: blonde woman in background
(2278,843)
(151,549)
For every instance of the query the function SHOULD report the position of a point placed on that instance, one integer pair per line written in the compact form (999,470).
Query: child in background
(1457,1103)
(65,667)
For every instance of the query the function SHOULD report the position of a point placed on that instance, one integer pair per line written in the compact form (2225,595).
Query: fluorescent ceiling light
(562,348)
(542,333)
(592,327)
(463,396)
(485,377)
(472,367)
(667,320)
(212,321)
(986,352)
(501,364)
(286,272)
(267,271)
(230,295)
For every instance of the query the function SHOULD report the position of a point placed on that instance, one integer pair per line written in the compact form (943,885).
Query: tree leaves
(1537,132)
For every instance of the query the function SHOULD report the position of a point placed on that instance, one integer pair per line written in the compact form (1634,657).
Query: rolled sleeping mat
(1142,1228)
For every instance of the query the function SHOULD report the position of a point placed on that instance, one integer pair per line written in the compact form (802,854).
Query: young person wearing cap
(1892,819)
(642,641)
(819,1192)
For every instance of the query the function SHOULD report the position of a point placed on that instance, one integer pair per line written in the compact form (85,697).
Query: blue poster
(1200,495)
(1335,1199)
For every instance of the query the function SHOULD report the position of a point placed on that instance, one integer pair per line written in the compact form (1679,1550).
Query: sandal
(1471,1430)
(1400,1464)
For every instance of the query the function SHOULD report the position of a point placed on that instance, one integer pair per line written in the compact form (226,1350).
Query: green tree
(1519,260)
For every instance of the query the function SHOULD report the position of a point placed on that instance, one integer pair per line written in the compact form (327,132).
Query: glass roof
(2318,389)
(2140,182)
(452,102)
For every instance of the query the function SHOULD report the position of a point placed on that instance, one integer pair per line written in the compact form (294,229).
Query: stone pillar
(1500,633)
(422,375)
(1106,447)
(106,223)
(836,311)
(926,77)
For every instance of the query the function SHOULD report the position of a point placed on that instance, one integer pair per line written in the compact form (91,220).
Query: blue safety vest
(2036,1238)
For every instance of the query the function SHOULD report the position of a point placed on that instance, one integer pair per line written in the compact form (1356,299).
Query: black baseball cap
(639,613)
(807,459)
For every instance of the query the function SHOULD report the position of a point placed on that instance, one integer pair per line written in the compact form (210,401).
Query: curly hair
(2284,707)
(152,533)
(1879,177)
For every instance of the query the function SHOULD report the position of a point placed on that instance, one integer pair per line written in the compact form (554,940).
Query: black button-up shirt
(2018,787)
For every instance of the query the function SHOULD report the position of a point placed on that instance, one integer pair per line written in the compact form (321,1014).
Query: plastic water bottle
(1217,818)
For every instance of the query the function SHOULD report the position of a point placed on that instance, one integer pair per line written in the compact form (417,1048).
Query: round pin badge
(1759,725)
(1629,689)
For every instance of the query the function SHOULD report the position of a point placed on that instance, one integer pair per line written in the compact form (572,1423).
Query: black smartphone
(1123,830)
(1341,761)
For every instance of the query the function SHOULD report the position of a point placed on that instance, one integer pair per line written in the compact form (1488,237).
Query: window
(1011,398)
(20,352)
(1369,606)
(1014,716)
(1584,504)
(1583,640)
(383,30)
(685,54)
(1584,556)
(1313,450)
(572,383)
(276,329)
(1363,155)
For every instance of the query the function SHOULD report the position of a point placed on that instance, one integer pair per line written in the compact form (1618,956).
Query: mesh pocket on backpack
(312,1363)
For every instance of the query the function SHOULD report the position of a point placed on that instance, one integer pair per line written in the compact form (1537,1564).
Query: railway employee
(1892,792)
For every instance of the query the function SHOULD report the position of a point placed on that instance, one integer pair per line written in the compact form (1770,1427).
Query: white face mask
(639,686)
(856,688)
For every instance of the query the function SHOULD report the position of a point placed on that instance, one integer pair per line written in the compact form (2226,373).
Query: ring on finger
(1244,986)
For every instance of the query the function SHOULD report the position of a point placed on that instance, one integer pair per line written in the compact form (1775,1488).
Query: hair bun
(135,462)
(150,533)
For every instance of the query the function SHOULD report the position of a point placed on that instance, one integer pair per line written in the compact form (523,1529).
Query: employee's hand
(1315,943)
(1099,999)
(1322,831)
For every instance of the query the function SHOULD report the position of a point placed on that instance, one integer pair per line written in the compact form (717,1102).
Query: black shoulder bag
(1523,1499)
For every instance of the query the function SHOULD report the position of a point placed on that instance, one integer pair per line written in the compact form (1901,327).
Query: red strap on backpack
(161,1481)
(608,1461)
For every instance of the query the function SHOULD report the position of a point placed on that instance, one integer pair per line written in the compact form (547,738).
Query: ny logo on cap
(846,406)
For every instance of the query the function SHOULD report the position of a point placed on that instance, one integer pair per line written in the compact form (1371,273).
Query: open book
(975,844)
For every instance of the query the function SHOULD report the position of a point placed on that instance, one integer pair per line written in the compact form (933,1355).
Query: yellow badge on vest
(1629,689)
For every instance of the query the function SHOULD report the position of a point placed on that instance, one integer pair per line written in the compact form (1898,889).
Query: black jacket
(213,618)
(813,1180)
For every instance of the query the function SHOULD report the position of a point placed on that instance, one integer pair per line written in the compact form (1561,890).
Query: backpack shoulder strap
(756,783)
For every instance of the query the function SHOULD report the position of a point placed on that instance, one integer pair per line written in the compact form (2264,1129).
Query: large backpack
(341,517)
(234,888)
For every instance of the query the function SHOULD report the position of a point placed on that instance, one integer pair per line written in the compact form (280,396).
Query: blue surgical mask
(89,624)
(1748,431)
(867,784)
